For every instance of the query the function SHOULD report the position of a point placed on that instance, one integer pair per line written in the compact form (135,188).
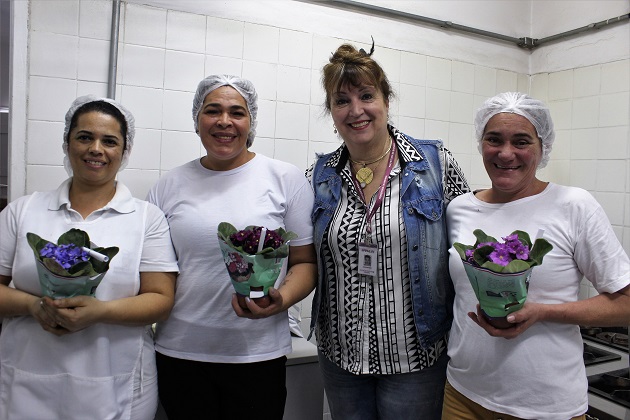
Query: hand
(521,320)
(39,311)
(72,314)
(254,311)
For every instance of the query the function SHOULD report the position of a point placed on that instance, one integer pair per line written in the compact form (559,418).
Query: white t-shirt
(263,192)
(45,376)
(540,374)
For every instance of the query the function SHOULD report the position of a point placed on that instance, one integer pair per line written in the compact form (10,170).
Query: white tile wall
(222,65)
(185,32)
(224,37)
(95,19)
(183,70)
(294,49)
(413,68)
(438,104)
(143,66)
(66,15)
(293,84)
(146,105)
(145,26)
(261,43)
(462,77)
(94,61)
(44,145)
(411,101)
(58,56)
(146,150)
(50,98)
(439,73)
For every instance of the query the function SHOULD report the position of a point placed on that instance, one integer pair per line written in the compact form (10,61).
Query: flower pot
(57,287)
(499,294)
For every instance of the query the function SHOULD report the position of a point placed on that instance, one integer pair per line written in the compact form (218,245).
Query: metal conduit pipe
(592,26)
(113,50)
(524,42)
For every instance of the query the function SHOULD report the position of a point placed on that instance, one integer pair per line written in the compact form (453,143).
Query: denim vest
(425,225)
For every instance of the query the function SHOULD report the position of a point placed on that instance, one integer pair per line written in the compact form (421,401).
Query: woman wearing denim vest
(382,308)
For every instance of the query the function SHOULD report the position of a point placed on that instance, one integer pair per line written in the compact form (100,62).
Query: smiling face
(360,115)
(511,152)
(224,125)
(95,149)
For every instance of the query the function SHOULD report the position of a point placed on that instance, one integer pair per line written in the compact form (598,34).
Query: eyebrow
(109,136)
(498,133)
(217,105)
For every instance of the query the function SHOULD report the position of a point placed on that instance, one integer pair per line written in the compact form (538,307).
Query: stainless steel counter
(609,407)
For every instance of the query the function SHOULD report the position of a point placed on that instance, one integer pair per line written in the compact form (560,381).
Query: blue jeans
(405,396)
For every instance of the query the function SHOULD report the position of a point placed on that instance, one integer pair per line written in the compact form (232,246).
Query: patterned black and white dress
(366,326)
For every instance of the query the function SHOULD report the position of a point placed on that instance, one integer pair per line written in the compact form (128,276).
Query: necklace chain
(377,159)
(365,174)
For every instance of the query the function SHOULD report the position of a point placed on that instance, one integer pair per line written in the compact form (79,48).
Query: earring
(334,128)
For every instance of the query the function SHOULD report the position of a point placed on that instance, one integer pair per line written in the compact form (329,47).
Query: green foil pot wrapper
(498,293)
(251,275)
(57,287)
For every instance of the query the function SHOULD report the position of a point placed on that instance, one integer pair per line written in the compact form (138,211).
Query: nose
(356,108)
(96,147)
(506,151)
(224,120)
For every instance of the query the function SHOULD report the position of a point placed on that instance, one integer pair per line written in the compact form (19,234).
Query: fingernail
(247,299)
(510,318)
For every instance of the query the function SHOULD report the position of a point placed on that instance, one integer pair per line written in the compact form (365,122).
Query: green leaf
(482,237)
(84,268)
(523,237)
(516,266)
(101,266)
(224,231)
(55,267)
(539,250)
(481,254)
(75,236)
(36,243)
(461,249)
(497,268)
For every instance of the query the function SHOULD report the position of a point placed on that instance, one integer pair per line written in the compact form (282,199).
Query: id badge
(367,259)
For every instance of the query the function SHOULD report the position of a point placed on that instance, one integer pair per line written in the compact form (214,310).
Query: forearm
(143,309)
(300,280)
(603,310)
(15,302)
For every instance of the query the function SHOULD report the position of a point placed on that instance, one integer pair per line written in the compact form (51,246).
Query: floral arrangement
(253,258)
(499,272)
(72,266)
(514,255)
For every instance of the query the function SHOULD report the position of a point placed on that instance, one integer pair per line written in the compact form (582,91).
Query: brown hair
(349,66)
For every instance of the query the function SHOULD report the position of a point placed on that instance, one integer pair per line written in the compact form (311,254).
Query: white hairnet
(243,86)
(76,105)
(521,104)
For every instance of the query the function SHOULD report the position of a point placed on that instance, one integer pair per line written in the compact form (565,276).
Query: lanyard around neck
(381,190)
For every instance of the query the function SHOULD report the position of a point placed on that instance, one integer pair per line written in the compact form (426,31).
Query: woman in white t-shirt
(85,356)
(533,369)
(213,361)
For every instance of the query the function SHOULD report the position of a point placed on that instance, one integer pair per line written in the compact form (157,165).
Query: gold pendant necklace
(365,175)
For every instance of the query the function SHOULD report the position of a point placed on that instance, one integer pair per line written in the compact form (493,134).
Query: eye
(367,97)
(239,114)
(493,141)
(83,137)
(111,142)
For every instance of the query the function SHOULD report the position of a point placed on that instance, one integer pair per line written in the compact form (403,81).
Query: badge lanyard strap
(381,191)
